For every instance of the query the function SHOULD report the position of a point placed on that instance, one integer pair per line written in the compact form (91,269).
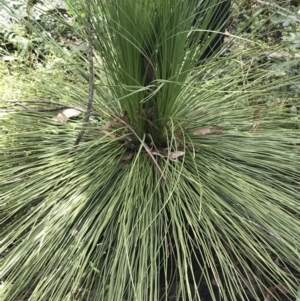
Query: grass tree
(177,179)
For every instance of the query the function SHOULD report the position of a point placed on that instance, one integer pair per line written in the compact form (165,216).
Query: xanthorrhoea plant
(178,183)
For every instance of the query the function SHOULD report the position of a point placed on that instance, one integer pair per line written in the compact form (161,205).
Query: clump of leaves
(178,181)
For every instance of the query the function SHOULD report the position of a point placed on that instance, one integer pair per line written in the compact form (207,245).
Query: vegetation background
(184,188)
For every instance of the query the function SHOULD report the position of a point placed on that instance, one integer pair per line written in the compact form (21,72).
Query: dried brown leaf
(71,113)
(107,133)
(61,117)
(65,115)
(175,155)
(256,118)
(205,130)
(106,126)
(172,156)
(128,156)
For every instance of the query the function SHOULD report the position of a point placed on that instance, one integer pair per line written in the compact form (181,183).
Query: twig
(59,106)
(55,109)
(21,105)
(147,149)
(91,77)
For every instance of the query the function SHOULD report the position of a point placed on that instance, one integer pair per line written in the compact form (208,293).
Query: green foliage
(28,41)
(197,163)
